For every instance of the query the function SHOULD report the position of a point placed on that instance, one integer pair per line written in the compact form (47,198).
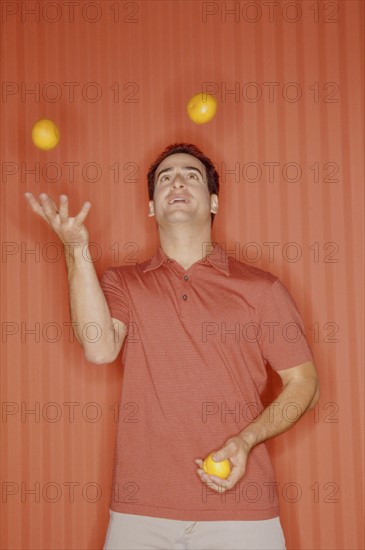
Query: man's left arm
(300,387)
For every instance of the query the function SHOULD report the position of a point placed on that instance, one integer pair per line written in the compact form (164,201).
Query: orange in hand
(220,469)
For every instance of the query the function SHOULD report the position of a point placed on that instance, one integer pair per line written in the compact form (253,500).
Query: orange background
(116,78)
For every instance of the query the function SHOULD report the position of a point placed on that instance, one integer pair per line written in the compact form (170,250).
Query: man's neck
(186,248)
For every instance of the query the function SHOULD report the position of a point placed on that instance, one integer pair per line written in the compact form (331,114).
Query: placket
(185,294)
(184,291)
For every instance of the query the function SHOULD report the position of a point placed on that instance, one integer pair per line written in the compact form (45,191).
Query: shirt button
(186,278)
(184,297)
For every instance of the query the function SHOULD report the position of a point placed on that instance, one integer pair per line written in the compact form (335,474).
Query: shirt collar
(215,257)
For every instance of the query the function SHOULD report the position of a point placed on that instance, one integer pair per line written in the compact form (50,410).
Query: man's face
(181,191)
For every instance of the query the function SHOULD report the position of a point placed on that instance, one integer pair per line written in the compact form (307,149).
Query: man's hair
(189,149)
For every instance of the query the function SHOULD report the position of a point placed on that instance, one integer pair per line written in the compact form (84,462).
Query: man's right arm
(100,336)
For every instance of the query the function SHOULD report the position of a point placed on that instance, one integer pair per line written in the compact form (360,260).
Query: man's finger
(224,452)
(48,208)
(215,487)
(83,213)
(34,204)
(63,211)
(212,481)
(218,485)
(54,206)
(233,477)
(206,478)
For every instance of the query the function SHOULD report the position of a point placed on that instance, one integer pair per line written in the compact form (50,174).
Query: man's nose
(178,181)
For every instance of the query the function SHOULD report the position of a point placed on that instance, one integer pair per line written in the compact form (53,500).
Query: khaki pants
(133,532)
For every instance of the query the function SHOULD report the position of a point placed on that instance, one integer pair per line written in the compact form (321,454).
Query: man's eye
(164,178)
(192,175)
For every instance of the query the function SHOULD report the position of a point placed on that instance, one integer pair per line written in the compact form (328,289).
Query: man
(199,329)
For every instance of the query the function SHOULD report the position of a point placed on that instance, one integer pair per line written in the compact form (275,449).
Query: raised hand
(69,230)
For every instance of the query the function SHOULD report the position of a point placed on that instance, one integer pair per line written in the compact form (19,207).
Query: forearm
(289,406)
(89,310)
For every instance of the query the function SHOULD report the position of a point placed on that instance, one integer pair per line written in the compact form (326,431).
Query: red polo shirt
(194,366)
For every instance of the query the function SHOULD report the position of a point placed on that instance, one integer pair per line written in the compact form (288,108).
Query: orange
(45,134)
(202,108)
(220,469)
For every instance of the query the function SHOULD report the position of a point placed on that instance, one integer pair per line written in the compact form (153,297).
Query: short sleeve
(282,337)
(115,294)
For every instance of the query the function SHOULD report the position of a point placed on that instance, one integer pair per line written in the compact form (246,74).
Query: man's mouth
(178,199)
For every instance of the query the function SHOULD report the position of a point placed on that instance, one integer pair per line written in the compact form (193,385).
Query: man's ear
(151,209)
(214,203)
